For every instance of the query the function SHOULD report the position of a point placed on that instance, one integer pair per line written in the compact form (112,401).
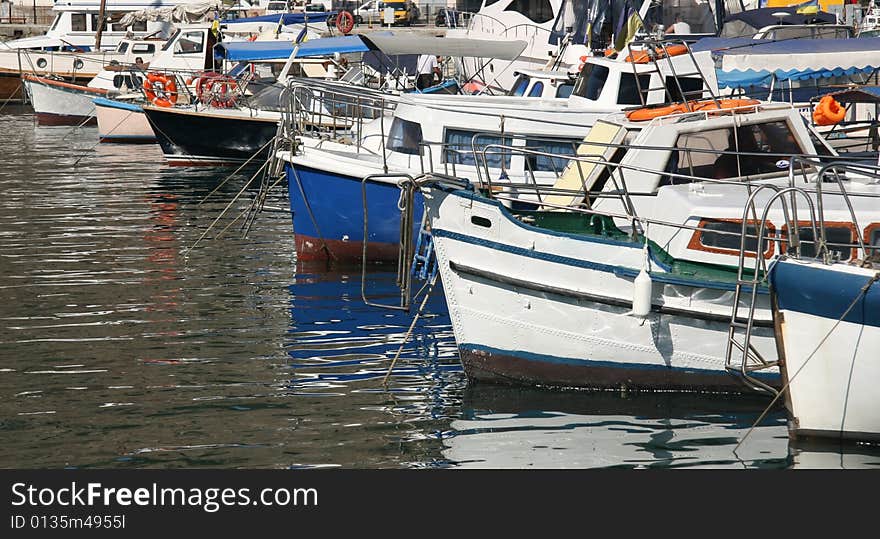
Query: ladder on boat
(657,50)
(742,358)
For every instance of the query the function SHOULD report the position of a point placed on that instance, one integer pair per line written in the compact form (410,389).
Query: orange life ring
(219,91)
(642,57)
(344,21)
(649,113)
(160,90)
(828,111)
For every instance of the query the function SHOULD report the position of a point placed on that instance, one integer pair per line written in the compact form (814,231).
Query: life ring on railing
(828,111)
(345,21)
(216,90)
(649,113)
(160,90)
(643,57)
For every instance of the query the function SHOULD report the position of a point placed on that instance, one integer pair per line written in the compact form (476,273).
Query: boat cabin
(76,24)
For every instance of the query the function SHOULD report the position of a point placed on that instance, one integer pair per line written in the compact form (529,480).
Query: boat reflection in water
(513,427)
(521,428)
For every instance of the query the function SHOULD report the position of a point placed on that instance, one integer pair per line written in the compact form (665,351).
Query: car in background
(405,13)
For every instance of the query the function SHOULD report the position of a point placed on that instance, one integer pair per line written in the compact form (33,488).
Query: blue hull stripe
(102,102)
(820,290)
(529,356)
(586,264)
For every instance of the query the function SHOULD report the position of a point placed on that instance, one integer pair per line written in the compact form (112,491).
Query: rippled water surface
(127,340)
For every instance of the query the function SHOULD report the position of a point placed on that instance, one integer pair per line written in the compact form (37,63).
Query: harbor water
(140,328)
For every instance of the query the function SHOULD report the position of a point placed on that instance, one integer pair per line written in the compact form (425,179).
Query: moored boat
(624,273)
(121,121)
(828,320)
(57,102)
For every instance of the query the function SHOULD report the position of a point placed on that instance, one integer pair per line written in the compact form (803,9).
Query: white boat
(58,102)
(828,320)
(438,132)
(624,274)
(69,49)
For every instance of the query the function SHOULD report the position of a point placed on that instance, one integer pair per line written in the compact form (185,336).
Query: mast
(100,25)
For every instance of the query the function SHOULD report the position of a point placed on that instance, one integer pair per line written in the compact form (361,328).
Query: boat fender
(642,285)
(642,288)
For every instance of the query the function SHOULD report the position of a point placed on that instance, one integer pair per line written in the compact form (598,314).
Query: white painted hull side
(833,392)
(60,105)
(545,308)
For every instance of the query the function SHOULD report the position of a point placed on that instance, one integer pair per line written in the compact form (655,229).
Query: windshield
(590,81)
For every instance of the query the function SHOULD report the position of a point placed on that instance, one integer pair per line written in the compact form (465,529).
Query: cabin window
(143,48)
(113,22)
(189,43)
(766,148)
(692,88)
(590,81)
(545,163)
(123,46)
(519,87)
(724,236)
(170,40)
(405,136)
(838,236)
(633,91)
(55,22)
(564,90)
(537,89)
(139,26)
(539,11)
(460,145)
(78,22)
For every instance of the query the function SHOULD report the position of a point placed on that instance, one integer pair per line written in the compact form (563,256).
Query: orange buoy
(828,111)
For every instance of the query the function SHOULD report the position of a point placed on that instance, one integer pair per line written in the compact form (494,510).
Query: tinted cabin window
(140,26)
(714,235)
(519,87)
(591,81)
(537,10)
(564,90)
(700,154)
(537,90)
(545,163)
(461,144)
(189,42)
(840,235)
(143,48)
(692,87)
(78,22)
(632,93)
(404,136)
(123,47)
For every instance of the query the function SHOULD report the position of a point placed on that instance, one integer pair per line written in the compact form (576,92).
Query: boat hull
(190,138)
(122,122)
(328,216)
(830,362)
(61,103)
(537,307)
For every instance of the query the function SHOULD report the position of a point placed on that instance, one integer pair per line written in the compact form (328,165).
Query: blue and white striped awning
(745,62)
